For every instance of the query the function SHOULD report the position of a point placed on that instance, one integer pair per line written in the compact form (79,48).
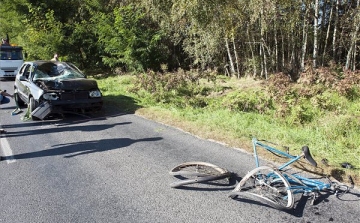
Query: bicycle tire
(268,184)
(197,172)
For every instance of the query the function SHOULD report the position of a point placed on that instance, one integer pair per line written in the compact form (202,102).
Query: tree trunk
(236,58)
(335,29)
(283,52)
(327,34)
(264,62)
(304,34)
(276,48)
(354,63)
(316,14)
(252,52)
(232,69)
(288,49)
(261,63)
(356,20)
(292,51)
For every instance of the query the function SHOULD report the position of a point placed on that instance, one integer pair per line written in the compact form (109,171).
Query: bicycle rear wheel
(268,184)
(197,172)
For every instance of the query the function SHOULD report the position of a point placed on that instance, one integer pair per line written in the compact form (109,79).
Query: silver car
(55,87)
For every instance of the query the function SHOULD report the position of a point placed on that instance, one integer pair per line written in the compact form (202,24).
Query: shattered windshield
(60,71)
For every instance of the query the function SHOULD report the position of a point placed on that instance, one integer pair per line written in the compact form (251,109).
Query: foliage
(316,92)
(131,40)
(42,37)
(248,101)
(11,15)
(181,88)
(263,36)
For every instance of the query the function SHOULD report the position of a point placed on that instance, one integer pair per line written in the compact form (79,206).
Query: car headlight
(95,94)
(50,96)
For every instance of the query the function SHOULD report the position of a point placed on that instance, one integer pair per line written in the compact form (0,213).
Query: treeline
(235,37)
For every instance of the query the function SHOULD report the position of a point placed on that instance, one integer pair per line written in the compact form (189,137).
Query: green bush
(248,101)
(329,101)
(301,113)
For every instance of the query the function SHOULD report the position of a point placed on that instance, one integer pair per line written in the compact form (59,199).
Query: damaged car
(55,87)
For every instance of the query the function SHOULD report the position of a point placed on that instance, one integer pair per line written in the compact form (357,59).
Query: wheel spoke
(269,185)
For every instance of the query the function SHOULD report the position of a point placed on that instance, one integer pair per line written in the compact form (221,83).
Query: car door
(21,81)
(32,89)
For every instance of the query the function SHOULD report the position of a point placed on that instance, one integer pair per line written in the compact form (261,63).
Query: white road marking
(7,150)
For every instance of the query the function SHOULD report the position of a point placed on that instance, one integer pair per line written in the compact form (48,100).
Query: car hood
(73,84)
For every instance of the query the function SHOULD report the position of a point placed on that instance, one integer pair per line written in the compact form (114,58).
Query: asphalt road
(114,168)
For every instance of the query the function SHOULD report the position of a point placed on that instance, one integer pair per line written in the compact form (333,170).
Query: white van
(11,59)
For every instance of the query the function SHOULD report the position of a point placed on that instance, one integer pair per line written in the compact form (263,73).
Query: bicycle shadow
(304,201)
(217,185)
(253,201)
(348,195)
(298,210)
(301,204)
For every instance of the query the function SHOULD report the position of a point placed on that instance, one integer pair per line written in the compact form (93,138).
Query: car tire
(18,101)
(33,104)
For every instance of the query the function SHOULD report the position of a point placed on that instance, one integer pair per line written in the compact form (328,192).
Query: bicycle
(197,172)
(275,186)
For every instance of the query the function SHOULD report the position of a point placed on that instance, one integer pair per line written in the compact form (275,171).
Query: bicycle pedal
(314,197)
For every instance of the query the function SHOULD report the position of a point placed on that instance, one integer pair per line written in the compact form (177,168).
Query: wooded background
(235,37)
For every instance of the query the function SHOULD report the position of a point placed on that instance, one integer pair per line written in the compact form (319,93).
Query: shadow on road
(81,148)
(111,108)
(64,128)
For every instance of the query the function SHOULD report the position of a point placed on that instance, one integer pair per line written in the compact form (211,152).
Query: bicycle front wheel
(197,172)
(268,184)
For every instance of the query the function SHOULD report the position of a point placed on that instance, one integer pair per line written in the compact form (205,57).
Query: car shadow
(69,150)
(67,118)
(65,127)
(113,106)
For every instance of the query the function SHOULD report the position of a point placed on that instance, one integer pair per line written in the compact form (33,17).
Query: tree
(11,16)
(131,40)
(43,34)
(316,15)
(351,55)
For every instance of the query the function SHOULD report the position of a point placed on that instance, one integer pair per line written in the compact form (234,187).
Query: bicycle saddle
(308,156)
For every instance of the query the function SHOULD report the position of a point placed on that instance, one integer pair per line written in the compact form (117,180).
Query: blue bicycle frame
(299,184)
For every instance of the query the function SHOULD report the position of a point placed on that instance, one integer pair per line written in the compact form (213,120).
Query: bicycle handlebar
(308,156)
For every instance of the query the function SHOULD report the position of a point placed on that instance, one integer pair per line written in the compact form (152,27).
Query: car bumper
(87,104)
(49,107)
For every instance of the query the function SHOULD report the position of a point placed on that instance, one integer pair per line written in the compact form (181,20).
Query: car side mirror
(22,78)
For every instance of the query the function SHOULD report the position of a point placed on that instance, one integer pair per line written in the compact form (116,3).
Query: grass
(332,136)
